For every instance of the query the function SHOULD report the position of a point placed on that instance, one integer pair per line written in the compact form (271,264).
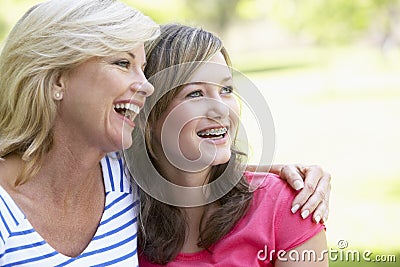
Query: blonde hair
(51,38)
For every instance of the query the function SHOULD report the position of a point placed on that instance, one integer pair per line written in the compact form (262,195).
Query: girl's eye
(197,93)
(123,63)
(226,89)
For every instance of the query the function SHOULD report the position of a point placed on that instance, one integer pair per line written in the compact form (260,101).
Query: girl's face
(101,98)
(197,129)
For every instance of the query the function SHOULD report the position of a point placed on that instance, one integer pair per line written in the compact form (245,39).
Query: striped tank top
(115,241)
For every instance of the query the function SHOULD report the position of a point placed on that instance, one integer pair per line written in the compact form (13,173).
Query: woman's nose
(142,85)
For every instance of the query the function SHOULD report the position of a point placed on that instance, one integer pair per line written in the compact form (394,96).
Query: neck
(194,216)
(186,179)
(193,219)
(69,170)
(68,174)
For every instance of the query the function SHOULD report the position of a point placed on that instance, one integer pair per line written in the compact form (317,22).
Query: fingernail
(298,184)
(295,208)
(305,214)
(324,219)
(317,218)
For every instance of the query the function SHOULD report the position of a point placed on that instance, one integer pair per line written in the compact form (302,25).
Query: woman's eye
(226,89)
(197,93)
(123,63)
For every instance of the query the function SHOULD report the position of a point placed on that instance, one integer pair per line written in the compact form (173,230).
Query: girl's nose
(218,109)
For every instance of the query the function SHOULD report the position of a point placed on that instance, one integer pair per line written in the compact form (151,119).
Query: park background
(330,73)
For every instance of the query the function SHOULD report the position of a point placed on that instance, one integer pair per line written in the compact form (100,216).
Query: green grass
(391,260)
(341,110)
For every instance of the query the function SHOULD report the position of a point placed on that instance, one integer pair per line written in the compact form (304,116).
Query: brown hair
(163,227)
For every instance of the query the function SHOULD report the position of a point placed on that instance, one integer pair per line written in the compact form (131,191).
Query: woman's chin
(126,143)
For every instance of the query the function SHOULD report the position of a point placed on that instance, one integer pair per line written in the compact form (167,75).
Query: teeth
(129,110)
(134,108)
(215,131)
(128,106)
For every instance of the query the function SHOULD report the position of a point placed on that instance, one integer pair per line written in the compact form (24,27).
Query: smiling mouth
(215,133)
(127,110)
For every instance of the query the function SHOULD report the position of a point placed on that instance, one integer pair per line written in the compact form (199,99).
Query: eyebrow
(134,57)
(227,78)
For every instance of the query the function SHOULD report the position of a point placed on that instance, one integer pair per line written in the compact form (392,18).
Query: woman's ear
(59,87)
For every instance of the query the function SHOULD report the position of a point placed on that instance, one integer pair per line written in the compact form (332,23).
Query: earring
(58,96)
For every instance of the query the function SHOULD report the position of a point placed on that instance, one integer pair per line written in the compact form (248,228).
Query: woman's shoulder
(10,213)
(116,176)
(10,169)
(10,216)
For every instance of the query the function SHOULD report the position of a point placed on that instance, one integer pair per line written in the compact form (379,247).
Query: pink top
(268,226)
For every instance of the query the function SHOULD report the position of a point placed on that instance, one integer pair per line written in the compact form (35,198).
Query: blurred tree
(3,28)
(338,21)
(217,14)
(160,10)
(389,17)
(10,12)
(324,21)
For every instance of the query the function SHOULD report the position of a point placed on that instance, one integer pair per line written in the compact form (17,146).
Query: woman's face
(101,99)
(199,124)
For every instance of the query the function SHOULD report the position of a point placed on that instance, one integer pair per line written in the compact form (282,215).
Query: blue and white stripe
(114,244)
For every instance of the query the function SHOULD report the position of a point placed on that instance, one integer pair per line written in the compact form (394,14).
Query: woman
(71,83)
(188,132)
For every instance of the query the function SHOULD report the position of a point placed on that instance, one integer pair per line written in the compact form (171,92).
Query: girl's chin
(221,159)
(219,162)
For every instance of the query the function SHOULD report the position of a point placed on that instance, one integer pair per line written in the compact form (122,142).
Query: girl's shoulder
(265,182)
